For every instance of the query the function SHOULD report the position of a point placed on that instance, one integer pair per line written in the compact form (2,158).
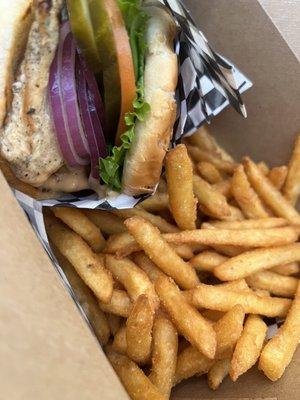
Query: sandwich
(87,94)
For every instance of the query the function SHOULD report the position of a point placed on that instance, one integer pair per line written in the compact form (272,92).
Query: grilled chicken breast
(27,139)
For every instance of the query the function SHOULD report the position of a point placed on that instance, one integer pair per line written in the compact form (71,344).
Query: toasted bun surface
(15,21)
(143,162)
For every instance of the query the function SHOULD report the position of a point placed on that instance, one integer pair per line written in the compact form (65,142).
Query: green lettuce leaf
(135,19)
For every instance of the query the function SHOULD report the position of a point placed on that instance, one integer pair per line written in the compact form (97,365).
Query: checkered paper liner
(207,83)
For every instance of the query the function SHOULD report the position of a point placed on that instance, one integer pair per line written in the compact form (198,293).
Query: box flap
(46,348)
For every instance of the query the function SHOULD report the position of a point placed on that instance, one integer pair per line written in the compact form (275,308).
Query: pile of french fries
(181,285)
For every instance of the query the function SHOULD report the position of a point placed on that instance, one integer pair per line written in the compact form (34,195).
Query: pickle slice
(83,31)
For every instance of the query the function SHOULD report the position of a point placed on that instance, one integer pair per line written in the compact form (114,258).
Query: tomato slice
(103,32)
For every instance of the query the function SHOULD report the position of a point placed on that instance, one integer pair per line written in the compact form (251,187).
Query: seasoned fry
(245,237)
(201,155)
(217,373)
(186,318)
(205,141)
(157,202)
(119,343)
(138,386)
(235,215)
(212,315)
(239,284)
(132,278)
(155,220)
(86,263)
(123,244)
(277,176)
(220,299)
(248,347)
(287,269)
(263,167)
(114,323)
(207,260)
(291,188)
(209,172)
(245,196)
(154,245)
(79,223)
(139,330)
(224,188)
(211,202)
(119,304)
(164,355)
(106,221)
(248,223)
(148,266)
(279,285)
(253,261)
(179,173)
(228,250)
(278,352)
(269,194)
(86,299)
(228,329)
(191,362)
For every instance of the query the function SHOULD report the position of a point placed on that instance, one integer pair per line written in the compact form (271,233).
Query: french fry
(119,304)
(235,215)
(114,323)
(228,329)
(224,188)
(79,223)
(253,261)
(123,244)
(212,315)
(158,250)
(139,330)
(269,194)
(278,352)
(148,266)
(86,299)
(245,196)
(287,269)
(179,173)
(138,386)
(279,285)
(135,281)
(201,155)
(269,222)
(211,202)
(191,362)
(248,347)
(205,141)
(155,220)
(157,202)
(107,222)
(209,172)
(263,167)
(228,250)
(277,176)
(119,343)
(207,260)
(217,373)
(291,188)
(220,299)
(242,237)
(186,318)
(164,355)
(239,284)
(84,260)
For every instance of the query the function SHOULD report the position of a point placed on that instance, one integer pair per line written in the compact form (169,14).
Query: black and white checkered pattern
(207,83)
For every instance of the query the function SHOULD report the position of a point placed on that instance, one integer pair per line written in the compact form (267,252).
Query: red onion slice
(91,121)
(69,97)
